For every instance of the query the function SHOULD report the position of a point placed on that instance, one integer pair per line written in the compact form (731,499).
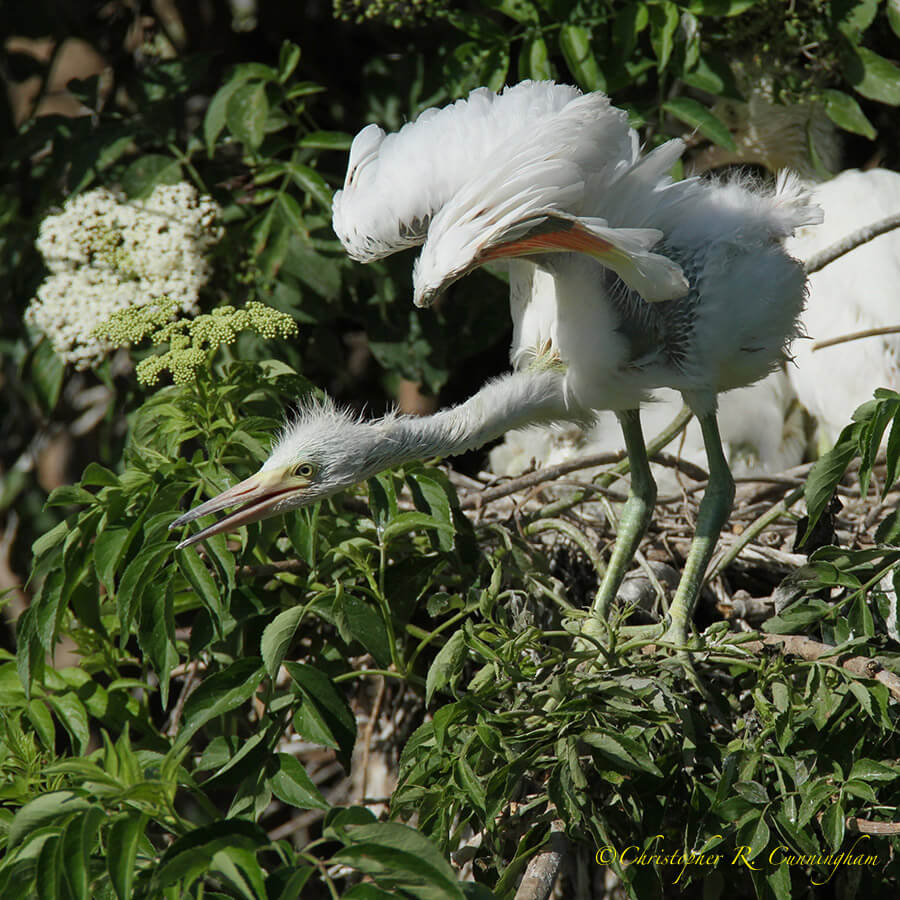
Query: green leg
(635,515)
(714,511)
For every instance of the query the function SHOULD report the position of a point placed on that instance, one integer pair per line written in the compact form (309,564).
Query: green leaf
(138,576)
(77,845)
(326,140)
(252,71)
(71,712)
(311,182)
(156,635)
(826,475)
(288,60)
(318,690)
(521,11)
(815,793)
(664,19)
(860,789)
(287,884)
(752,791)
(150,170)
(833,824)
(42,721)
(191,855)
(109,549)
(622,751)
(873,76)
(754,834)
(99,476)
(698,116)
(481,28)
(47,373)
(293,786)
(870,770)
(892,454)
(780,881)
(43,811)
(409,521)
(201,581)
(277,637)
(471,784)
(241,869)
(246,113)
(846,113)
(218,694)
(70,495)
(446,666)
(367,892)
(400,857)
(216,115)
(534,58)
(855,17)
(575,44)
(893,15)
(123,838)
(48,871)
(51,539)
(629,22)
(310,724)
(714,75)
(367,626)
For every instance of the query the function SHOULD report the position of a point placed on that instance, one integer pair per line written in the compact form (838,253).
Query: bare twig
(550,473)
(304,820)
(851,242)
(543,869)
(374,713)
(865,826)
(855,336)
(290,566)
(186,689)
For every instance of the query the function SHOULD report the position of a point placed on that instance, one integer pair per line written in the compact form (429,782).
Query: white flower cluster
(106,254)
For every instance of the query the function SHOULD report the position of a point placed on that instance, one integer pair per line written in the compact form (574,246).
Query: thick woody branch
(543,869)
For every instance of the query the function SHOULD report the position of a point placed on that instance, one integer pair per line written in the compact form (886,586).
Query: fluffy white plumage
(625,279)
(572,178)
(396,182)
(622,281)
(854,293)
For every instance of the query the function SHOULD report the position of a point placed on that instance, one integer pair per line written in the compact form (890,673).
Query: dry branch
(543,869)
(851,242)
(550,473)
(865,826)
(855,336)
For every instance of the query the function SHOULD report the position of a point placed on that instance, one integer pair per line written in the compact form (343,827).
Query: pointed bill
(259,496)
(624,250)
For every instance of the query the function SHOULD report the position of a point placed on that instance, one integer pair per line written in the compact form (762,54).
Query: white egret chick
(622,281)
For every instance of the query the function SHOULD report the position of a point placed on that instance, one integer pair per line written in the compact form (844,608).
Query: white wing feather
(396,183)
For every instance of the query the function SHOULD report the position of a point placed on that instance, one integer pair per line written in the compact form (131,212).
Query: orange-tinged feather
(574,239)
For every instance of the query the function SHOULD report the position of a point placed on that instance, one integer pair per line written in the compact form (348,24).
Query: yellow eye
(305,470)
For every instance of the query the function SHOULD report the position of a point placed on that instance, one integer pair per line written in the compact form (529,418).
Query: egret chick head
(320,452)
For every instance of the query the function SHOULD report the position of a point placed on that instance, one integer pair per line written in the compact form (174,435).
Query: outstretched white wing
(396,183)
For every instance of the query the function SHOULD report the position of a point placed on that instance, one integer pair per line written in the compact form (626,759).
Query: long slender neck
(512,401)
